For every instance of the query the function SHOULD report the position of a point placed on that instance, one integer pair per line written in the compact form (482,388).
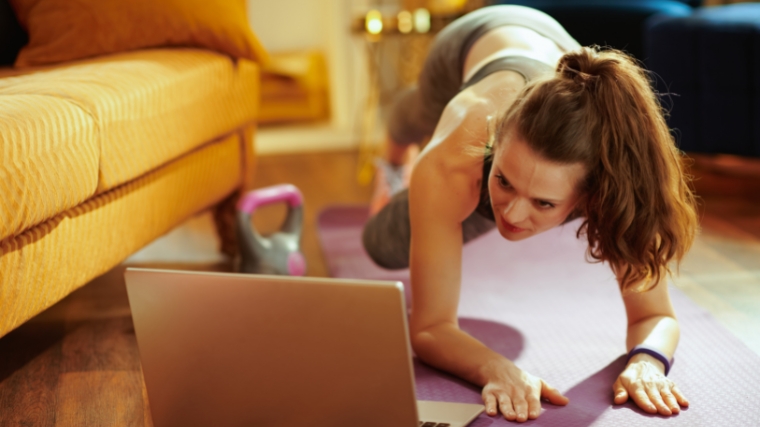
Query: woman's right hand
(516,393)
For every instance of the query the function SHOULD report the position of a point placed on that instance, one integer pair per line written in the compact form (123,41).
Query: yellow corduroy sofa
(99,157)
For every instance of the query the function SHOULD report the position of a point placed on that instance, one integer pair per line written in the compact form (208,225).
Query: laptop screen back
(245,350)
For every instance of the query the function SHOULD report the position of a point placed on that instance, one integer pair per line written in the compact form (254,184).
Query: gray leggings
(387,235)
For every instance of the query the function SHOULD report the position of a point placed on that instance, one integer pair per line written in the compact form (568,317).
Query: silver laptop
(223,349)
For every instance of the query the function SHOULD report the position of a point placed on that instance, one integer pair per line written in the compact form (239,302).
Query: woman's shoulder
(450,168)
(465,121)
(458,145)
(445,183)
(459,140)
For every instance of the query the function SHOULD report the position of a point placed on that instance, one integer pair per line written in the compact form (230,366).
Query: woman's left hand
(644,381)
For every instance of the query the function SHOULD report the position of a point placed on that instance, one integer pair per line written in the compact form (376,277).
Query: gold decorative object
(421,20)
(367,147)
(417,24)
(405,23)
(374,22)
(446,7)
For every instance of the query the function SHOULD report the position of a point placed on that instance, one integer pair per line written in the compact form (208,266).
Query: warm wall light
(374,22)
(405,24)
(422,20)
(446,7)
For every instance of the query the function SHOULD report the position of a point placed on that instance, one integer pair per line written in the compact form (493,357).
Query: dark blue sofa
(616,23)
(710,61)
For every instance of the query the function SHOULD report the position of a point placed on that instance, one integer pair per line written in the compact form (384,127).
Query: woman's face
(530,194)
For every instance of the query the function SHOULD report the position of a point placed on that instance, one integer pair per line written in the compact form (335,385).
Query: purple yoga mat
(539,303)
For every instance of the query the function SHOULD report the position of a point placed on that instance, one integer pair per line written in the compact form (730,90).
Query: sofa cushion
(47,262)
(136,111)
(65,30)
(48,159)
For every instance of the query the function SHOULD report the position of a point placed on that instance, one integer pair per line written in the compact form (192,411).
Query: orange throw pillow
(65,30)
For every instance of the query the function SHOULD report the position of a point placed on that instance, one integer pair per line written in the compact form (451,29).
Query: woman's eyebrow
(543,199)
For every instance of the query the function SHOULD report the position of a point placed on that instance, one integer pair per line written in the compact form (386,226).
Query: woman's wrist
(641,357)
(493,368)
(448,348)
(651,355)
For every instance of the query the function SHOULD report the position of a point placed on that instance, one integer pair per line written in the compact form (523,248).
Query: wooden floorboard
(76,364)
(722,271)
(30,359)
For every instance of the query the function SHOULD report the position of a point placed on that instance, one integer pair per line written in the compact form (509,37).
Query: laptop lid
(250,350)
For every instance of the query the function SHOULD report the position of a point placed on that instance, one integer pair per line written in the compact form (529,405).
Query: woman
(528,131)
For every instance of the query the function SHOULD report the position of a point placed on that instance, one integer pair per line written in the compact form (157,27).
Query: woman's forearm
(660,332)
(652,320)
(450,349)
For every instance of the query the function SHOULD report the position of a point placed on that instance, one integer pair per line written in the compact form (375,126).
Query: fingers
(679,396)
(534,406)
(517,408)
(490,403)
(670,400)
(519,400)
(553,395)
(507,408)
(621,394)
(501,403)
(639,395)
(655,396)
(654,393)
(521,408)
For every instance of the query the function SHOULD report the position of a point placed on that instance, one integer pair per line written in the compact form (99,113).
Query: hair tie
(585,80)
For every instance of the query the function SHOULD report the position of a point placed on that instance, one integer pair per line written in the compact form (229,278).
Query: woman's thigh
(415,112)
(387,236)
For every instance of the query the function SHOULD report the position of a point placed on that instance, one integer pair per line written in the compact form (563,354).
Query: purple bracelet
(657,354)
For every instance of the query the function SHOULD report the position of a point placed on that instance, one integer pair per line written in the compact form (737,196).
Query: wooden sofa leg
(226,228)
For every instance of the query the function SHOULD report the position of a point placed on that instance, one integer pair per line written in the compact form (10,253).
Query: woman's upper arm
(439,200)
(443,191)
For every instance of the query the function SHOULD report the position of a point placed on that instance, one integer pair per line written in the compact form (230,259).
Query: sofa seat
(100,157)
(48,159)
(711,61)
(615,23)
(44,264)
(74,131)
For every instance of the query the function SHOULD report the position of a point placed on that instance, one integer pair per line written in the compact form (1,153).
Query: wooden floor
(722,271)
(77,364)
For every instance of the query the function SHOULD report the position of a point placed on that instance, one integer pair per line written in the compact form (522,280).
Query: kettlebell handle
(278,193)
(278,253)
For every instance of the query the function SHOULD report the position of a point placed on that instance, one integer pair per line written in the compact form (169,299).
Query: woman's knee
(382,250)
(387,236)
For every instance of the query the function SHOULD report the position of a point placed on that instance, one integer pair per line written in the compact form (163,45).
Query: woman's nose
(516,210)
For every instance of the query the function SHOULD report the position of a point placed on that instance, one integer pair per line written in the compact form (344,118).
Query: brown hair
(599,110)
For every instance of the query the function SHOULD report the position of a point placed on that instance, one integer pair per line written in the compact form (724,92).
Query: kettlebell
(278,253)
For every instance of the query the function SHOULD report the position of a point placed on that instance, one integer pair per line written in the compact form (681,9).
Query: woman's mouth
(509,227)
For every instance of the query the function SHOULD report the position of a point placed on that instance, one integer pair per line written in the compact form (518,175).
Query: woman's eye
(503,182)
(545,205)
